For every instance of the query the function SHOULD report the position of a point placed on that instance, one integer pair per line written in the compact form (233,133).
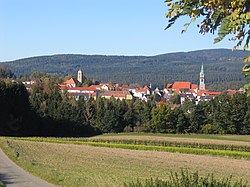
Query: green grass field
(242,138)
(85,162)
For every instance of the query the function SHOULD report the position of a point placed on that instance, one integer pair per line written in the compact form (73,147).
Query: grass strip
(178,144)
(197,151)
(229,137)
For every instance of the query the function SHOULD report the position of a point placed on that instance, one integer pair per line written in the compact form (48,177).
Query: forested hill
(220,65)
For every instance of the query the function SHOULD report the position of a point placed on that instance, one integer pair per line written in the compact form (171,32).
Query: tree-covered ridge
(221,65)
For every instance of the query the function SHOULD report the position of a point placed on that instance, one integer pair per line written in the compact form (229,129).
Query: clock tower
(80,75)
(202,79)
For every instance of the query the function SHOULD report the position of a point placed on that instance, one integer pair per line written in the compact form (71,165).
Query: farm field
(238,138)
(207,139)
(71,162)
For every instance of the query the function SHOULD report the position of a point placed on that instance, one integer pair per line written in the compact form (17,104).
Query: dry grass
(172,139)
(78,165)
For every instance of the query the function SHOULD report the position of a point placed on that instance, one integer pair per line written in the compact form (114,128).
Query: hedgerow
(187,179)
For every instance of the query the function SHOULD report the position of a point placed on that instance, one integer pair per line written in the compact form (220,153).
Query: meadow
(113,159)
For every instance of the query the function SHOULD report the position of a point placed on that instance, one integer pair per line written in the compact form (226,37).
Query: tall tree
(6,73)
(15,118)
(163,119)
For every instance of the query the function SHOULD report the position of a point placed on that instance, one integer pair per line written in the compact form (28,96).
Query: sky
(106,27)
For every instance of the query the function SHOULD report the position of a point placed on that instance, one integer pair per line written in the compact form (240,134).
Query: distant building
(206,95)
(70,83)
(85,92)
(121,95)
(182,87)
(107,86)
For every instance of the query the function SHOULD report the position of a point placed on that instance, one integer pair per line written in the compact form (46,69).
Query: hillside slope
(221,66)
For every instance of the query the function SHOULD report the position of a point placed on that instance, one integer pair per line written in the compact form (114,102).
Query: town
(178,91)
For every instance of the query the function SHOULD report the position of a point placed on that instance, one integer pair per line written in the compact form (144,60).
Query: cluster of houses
(185,90)
(104,90)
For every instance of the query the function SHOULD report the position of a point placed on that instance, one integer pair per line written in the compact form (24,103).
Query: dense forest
(222,67)
(47,112)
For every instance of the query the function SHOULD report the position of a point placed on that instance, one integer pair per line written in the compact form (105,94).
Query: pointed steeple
(202,69)
(202,79)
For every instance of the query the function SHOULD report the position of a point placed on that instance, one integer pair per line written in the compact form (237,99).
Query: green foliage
(163,119)
(174,144)
(187,179)
(6,73)
(15,110)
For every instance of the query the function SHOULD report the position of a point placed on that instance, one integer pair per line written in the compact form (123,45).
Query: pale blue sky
(109,27)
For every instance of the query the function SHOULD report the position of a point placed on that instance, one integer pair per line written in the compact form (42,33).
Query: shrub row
(188,180)
(178,144)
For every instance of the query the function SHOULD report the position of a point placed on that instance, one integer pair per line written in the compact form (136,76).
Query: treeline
(225,114)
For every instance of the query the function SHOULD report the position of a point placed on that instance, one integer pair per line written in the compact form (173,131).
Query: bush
(188,180)
(208,129)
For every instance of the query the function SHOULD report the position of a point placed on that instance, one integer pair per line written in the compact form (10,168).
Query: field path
(14,176)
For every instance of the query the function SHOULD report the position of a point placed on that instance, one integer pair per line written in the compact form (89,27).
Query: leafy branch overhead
(228,17)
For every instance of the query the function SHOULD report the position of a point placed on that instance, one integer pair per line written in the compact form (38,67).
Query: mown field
(112,159)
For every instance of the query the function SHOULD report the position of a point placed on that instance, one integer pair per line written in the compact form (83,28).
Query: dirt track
(14,176)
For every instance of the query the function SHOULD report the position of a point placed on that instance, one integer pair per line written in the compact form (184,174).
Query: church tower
(80,75)
(202,79)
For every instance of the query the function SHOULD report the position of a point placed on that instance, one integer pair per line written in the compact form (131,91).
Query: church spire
(202,69)
(202,79)
(80,75)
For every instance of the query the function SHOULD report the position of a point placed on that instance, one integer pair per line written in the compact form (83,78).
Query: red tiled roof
(71,81)
(181,85)
(141,90)
(214,93)
(208,93)
(114,93)
(95,87)
(194,86)
(83,88)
